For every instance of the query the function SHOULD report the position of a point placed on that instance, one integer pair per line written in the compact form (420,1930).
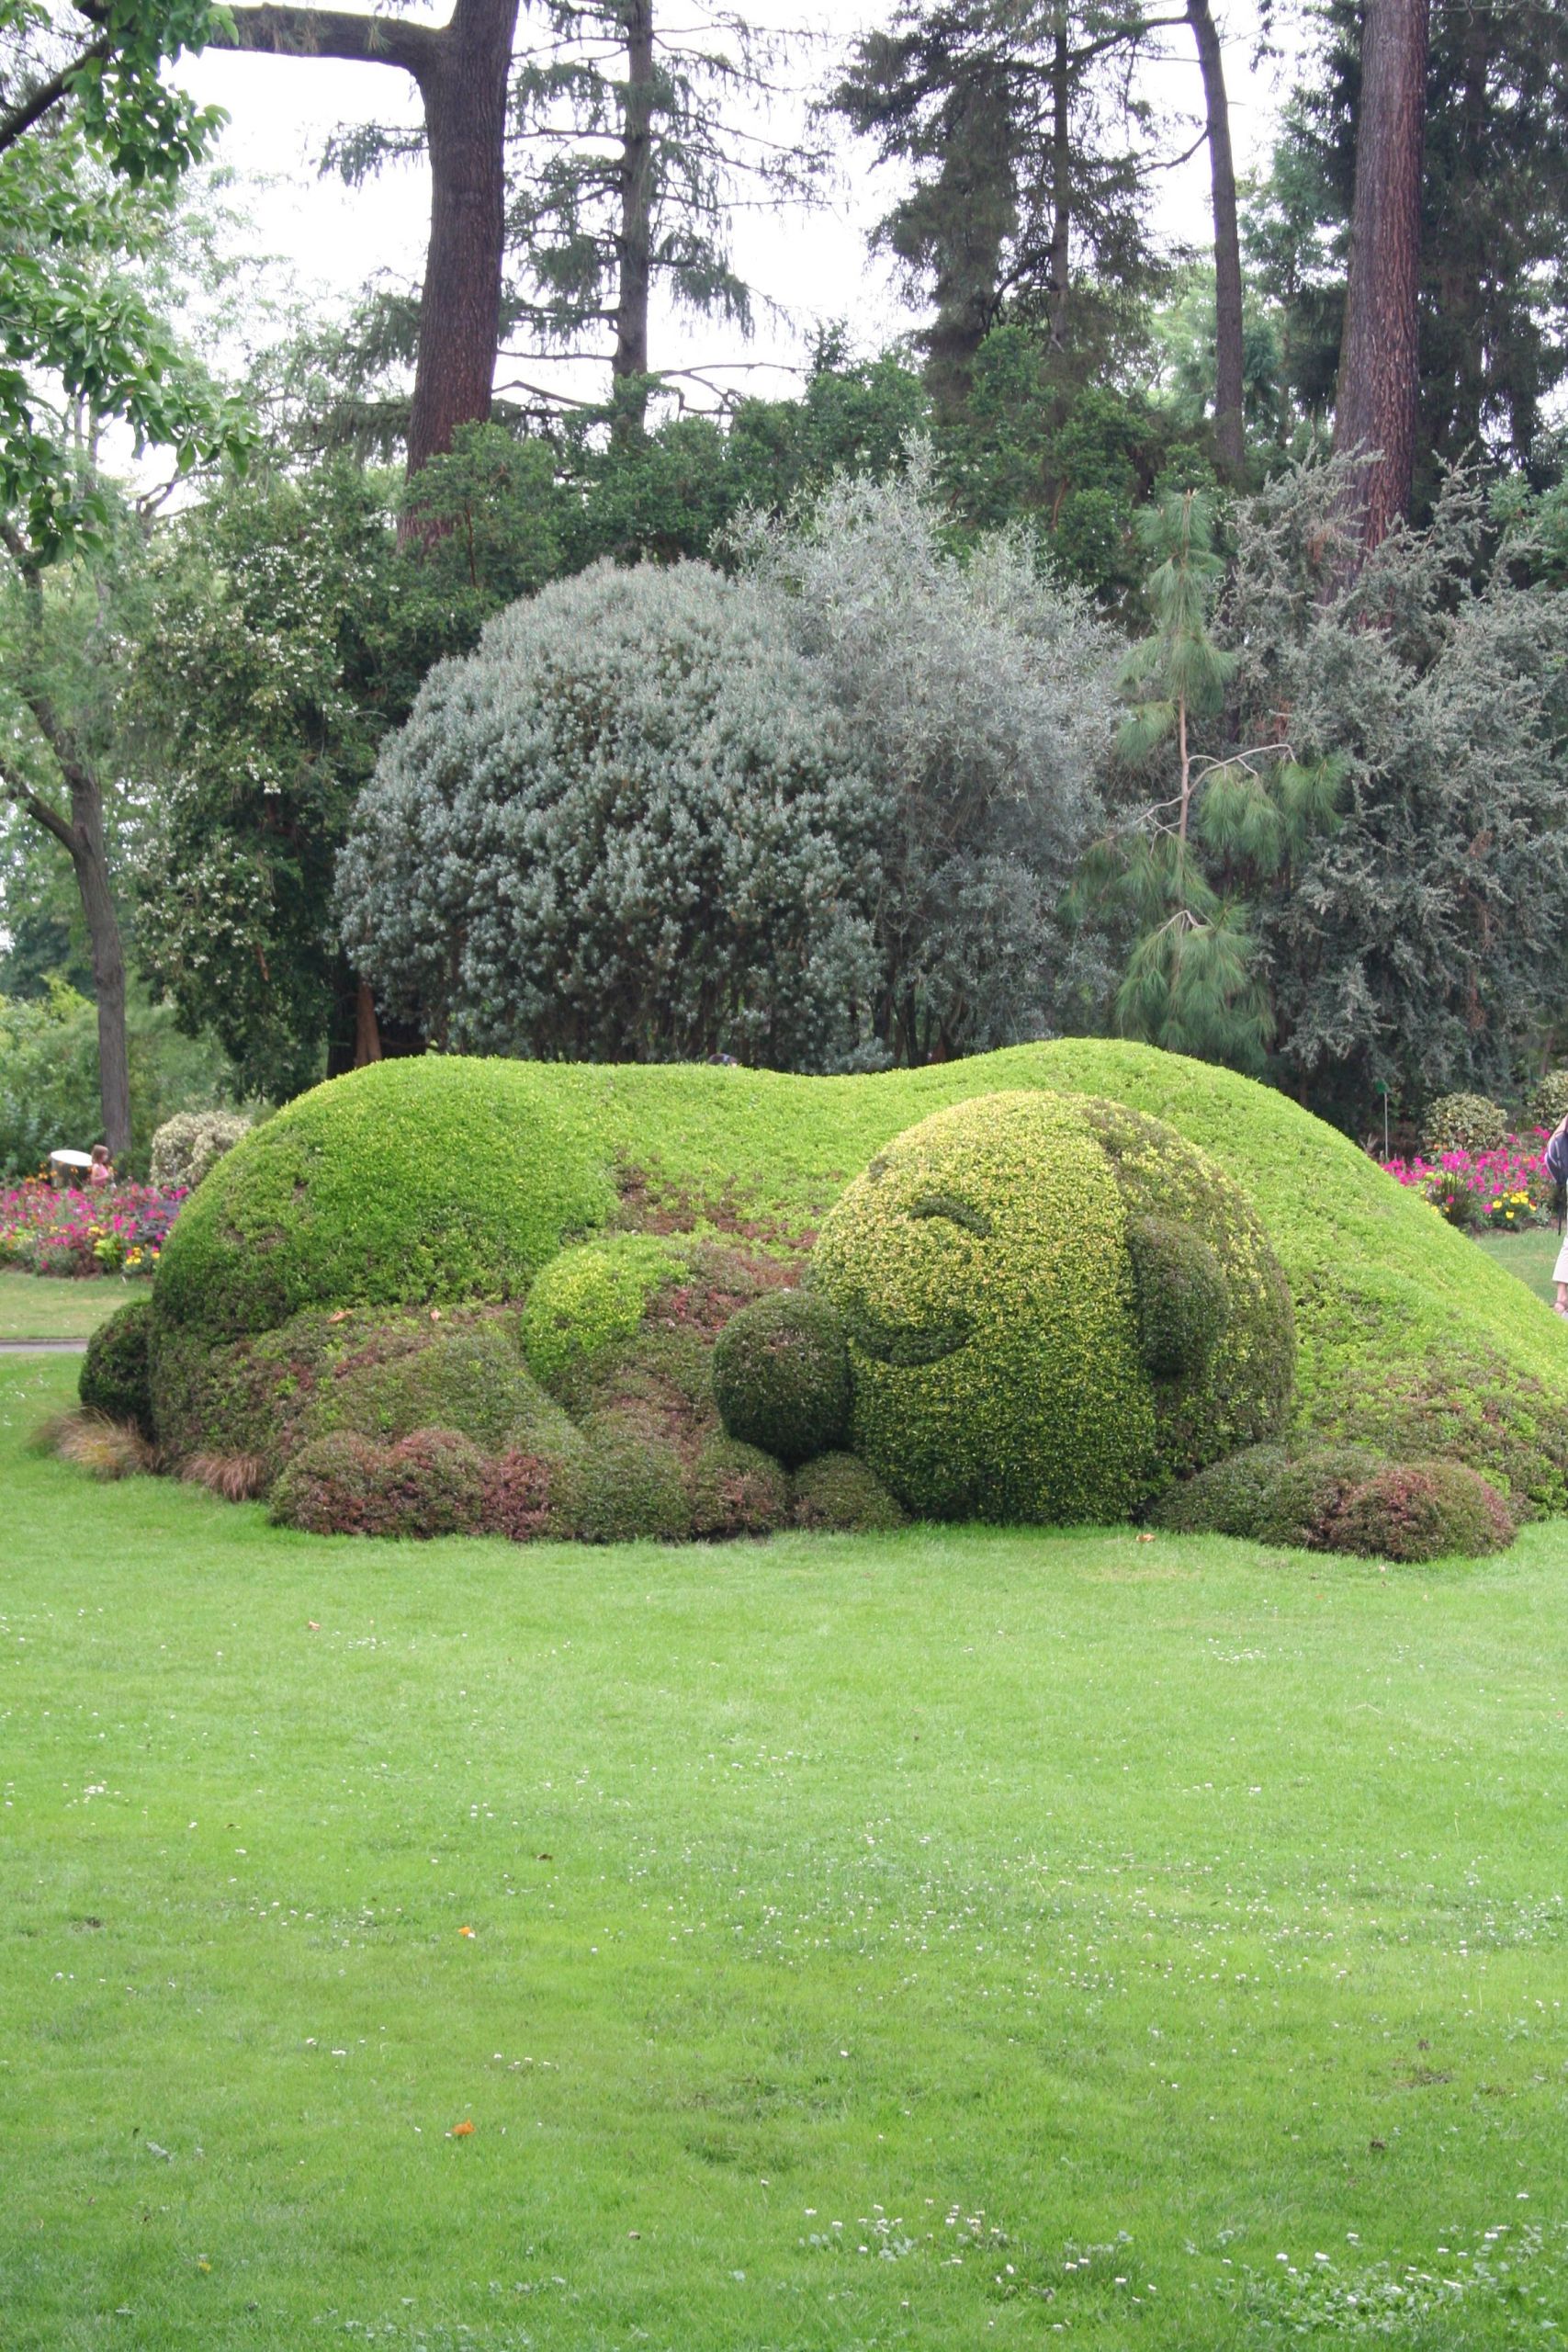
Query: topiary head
(1038,1330)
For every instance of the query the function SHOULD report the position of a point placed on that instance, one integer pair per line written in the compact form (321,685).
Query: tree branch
(48,94)
(40,812)
(275,31)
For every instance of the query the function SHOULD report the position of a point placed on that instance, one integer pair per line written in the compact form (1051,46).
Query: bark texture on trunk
(462,69)
(634,242)
(1061,181)
(459,312)
(81,836)
(1230,434)
(1379,357)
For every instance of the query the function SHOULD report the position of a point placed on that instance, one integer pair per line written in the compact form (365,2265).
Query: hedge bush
(1407,1336)
(1269,1493)
(982,1271)
(737,1490)
(431,1483)
(1549,1104)
(327,1370)
(1422,1510)
(622,1484)
(413,1181)
(187,1146)
(837,1495)
(471,1379)
(114,1380)
(1464,1123)
(781,1376)
(587,1301)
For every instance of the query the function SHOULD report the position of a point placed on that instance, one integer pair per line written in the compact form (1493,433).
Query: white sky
(815,266)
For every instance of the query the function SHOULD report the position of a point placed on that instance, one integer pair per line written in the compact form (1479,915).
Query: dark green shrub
(1181,1293)
(781,1376)
(431,1483)
(737,1490)
(1422,1510)
(1268,1493)
(621,1484)
(381,1376)
(1464,1123)
(837,1495)
(114,1380)
(472,1380)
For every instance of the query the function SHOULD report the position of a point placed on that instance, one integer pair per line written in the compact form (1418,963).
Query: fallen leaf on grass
(461,2132)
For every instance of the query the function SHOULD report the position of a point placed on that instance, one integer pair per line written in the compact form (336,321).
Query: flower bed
(1503,1190)
(43,1231)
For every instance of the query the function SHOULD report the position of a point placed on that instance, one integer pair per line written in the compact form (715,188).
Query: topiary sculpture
(781,1376)
(990,1269)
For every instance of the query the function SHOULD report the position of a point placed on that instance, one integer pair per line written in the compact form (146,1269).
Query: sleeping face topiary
(1053,1306)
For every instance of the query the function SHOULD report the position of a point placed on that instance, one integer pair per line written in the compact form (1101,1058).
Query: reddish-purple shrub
(430,1484)
(520,1501)
(1421,1511)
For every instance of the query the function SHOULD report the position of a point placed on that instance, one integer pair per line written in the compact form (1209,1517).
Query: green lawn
(1531,1255)
(34,1308)
(944,1940)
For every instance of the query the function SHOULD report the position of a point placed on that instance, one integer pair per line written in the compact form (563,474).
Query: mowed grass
(35,1307)
(1531,1255)
(945,1941)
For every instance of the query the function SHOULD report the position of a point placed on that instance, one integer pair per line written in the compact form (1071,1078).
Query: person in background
(101,1173)
(1557,1170)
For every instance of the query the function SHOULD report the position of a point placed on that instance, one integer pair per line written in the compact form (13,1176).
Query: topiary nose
(1180,1291)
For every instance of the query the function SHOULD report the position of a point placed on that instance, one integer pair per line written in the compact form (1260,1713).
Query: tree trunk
(462,69)
(91,863)
(1379,358)
(1229,433)
(635,243)
(459,313)
(1061,180)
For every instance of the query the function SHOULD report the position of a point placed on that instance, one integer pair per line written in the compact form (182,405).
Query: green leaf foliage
(781,1376)
(114,1379)
(470,1176)
(416,1181)
(838,1495)
(1464,1123)
(999,1354)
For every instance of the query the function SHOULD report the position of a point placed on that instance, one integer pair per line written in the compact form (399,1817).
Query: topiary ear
(1181,1293)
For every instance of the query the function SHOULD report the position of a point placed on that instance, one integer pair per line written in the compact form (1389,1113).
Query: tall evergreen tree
(1492,284)
(1028,147)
